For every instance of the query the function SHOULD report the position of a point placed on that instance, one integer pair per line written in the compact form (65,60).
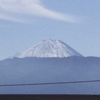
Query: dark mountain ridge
(74,60)
(44,70)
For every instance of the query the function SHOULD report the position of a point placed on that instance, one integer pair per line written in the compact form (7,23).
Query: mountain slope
(49,48)
(48,70)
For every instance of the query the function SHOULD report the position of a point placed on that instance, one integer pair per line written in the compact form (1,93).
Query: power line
(73,82)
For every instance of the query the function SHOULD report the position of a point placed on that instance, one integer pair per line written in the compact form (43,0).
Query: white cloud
(29,7)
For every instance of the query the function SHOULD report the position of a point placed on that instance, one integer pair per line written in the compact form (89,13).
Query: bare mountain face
(49,48)
(34,70)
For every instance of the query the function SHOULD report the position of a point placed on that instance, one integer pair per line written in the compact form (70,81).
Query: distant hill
(47,70)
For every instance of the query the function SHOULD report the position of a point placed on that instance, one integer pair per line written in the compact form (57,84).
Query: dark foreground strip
(49,97)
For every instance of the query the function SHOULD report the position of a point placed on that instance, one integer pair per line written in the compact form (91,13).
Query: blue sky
(26,22)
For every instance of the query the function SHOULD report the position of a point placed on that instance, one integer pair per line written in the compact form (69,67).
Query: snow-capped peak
(49,48)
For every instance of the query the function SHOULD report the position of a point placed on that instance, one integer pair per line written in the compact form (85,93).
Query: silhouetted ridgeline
(49,70)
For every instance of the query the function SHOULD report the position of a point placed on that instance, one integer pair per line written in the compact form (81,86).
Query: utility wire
(73,82)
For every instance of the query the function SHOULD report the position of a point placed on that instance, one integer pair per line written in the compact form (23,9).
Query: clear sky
(26,22)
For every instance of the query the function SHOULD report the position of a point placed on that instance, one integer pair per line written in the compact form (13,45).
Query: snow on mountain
(48,48)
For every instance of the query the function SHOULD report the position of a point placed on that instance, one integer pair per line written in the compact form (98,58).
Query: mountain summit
(48,48)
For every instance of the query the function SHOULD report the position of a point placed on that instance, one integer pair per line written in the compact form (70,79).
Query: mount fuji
(50,61)
(48,48)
